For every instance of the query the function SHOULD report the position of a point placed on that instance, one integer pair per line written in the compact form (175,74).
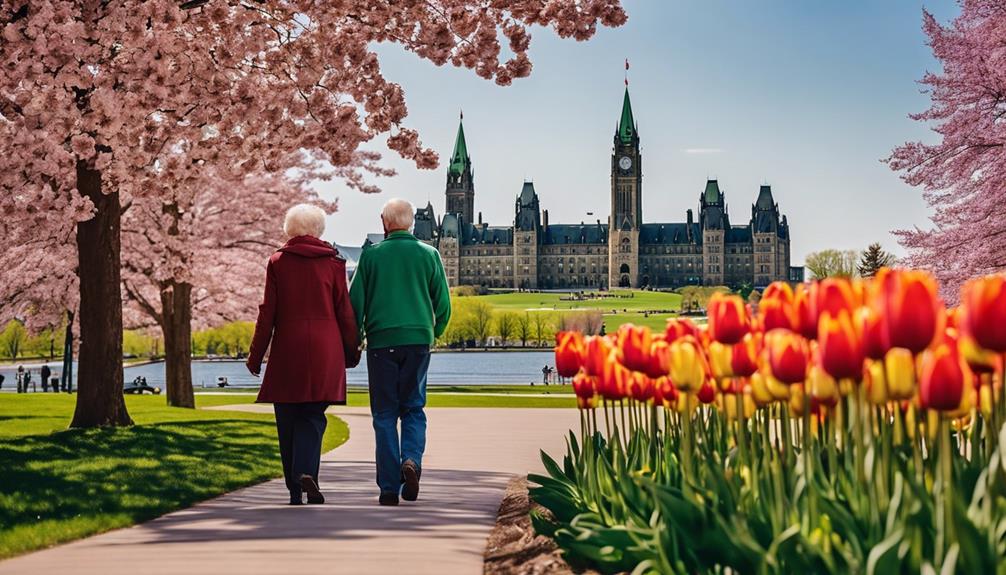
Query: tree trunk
(99,379)
(176,325)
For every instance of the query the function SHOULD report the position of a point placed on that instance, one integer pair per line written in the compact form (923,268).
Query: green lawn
(639,300)
(59,484)
(455,396)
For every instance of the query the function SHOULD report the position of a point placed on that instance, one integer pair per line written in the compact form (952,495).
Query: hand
(253,369)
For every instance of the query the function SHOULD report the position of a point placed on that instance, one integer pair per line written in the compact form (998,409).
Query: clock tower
(626,202)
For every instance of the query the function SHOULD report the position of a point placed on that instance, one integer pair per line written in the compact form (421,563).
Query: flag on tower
(626,63)
(626,72)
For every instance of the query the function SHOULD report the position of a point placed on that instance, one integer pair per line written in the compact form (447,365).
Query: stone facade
(533,253)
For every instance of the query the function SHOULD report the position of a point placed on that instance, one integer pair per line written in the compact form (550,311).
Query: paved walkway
(471,455)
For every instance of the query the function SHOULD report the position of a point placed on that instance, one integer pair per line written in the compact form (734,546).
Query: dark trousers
(301,427)
(397,378)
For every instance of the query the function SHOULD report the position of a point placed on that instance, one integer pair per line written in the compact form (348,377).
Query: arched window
(624,269)
(626,246)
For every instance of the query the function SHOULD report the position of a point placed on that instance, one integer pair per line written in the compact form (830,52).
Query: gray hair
(398,214)
(304,220)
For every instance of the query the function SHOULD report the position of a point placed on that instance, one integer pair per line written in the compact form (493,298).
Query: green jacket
(399,293)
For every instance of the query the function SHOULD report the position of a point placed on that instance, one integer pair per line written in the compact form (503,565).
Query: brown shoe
(410,479)
(314,495)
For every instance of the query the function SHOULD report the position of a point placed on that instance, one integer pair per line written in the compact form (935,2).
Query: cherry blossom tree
(194,256)
(963,173)
(106,102)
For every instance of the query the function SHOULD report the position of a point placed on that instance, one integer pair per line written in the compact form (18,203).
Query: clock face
(625,162)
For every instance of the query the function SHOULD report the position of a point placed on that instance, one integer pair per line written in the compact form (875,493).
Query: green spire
(459,159)
(626,125)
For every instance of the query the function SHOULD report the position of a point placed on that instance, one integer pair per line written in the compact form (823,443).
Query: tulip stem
(808,471)
(859,412)
(686,446)
(945,531)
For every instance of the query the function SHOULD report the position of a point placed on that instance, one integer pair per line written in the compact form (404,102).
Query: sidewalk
(471,455)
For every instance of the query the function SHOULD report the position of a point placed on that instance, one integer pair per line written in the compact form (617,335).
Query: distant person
(28,381)
(46,375)
(1,380)
(20,379)
(544,375)
(305,313)
(402,305)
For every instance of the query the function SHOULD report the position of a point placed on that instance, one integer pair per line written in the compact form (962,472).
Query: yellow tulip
(876,383)
(759,390)
(899,369)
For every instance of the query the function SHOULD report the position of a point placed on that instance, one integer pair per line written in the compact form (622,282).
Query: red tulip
(596,351)
(728,318)
(584,385)
(875,342)
(744,357)
(787,355)
(911,311)
(707,393)
(614,384)
(664,393)
(640,387)
(803,310)
(660,358)
(568,352)
(979,359)
(678,328)
(943,375)
(634,343)
(834,295)
(776,313)
(841,346)
(984,303)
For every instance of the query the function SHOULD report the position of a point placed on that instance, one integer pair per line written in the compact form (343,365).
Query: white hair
(397,214)
(304,220)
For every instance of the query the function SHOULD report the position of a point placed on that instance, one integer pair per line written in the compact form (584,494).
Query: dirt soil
(513,547)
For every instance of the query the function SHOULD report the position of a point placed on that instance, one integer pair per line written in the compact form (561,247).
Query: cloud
(703,151)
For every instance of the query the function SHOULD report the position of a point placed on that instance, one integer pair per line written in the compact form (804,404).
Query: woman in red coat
(307,316)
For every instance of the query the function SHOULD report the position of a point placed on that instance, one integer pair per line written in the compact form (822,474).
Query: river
(446,368)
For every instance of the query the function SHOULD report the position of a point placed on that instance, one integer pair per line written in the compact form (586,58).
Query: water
(447,368)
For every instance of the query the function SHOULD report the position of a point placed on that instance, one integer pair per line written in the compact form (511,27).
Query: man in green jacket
(402,304)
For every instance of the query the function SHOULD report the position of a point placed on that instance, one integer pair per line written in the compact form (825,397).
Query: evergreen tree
(873,259)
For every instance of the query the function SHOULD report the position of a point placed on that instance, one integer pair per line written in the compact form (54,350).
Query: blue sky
(808,96)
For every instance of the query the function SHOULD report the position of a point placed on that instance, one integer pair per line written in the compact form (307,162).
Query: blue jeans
(397,377)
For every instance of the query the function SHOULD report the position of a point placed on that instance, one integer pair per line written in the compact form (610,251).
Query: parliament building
(534,253)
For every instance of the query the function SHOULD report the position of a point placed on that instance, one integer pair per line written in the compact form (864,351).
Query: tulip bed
(842,427)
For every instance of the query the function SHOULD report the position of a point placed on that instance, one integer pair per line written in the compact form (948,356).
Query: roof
(738,235)
(765,201)
(562,234)
(626,125)
(527,194)
(425,223)
(668,234)
(459,159)
(487,235)
(712,193)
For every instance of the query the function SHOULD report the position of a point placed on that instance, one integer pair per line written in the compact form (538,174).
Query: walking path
(471,455)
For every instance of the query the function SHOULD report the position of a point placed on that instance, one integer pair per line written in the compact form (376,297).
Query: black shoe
(314,496)
(410,480)
(388,498)
(297,499)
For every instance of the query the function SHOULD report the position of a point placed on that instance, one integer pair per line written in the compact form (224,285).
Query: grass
(640,300)
(454,396)
(60,484)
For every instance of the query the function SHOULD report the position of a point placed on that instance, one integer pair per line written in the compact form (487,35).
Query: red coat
(307,315)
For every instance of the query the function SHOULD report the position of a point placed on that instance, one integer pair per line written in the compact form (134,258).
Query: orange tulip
(943,375)
(834,295)
(614,384)
(634,343)
(678,328)
(841,346)
(787,355)
(744,355)
(912,312)
(568,352)
(984,302)
(596,351)
(728,318)
(803,310)
(688,364)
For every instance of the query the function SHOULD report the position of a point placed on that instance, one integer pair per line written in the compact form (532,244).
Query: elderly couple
(399,303)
